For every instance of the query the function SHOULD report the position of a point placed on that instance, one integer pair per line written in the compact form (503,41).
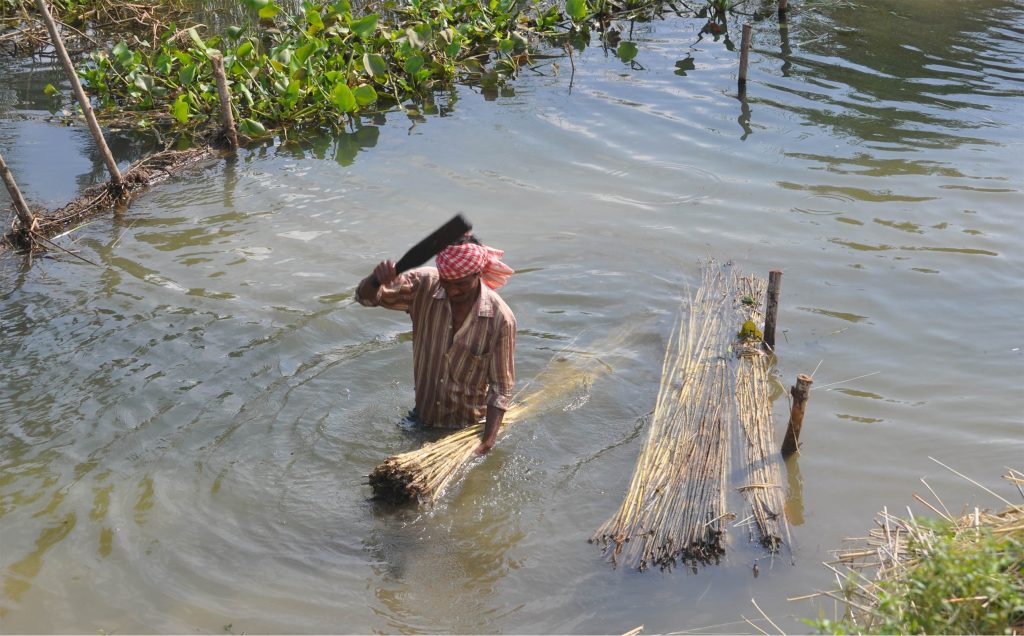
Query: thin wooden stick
(744,55)
(800,392)
(25,215)
(989,491)
(771,309)
(770,621)
(227,116)
(83,99)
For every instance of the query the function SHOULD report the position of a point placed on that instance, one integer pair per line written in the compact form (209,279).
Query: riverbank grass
(950,575)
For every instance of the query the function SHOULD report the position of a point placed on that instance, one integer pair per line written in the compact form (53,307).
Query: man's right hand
(384,273)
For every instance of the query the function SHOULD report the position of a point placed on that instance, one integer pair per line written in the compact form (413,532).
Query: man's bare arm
(491,427)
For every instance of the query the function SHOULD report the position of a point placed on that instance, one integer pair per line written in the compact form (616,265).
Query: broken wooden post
(25,215)
(800,392)
(83,99)
(744,55)
(227,118)
(771,307)
(783,10)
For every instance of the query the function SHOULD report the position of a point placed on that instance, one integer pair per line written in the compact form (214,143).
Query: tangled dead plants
(100,198)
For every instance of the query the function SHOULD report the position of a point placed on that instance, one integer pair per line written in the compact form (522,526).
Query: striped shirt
(459,374)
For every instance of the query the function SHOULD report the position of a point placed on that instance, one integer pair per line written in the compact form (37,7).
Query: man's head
(464,264)
(459,266)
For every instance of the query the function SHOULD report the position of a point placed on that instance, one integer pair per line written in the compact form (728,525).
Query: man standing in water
(463,334)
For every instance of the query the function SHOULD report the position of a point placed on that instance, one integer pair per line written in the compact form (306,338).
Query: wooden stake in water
(25,215)
(783,10)
(83,99)
(771,308)
(227,118)
(800,392)
(744,55)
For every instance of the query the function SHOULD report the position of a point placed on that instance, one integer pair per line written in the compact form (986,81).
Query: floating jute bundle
(712,403)
(423,475)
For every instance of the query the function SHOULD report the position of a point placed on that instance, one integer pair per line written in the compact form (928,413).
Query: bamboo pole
(771,308)
(83,99)
(783,10)
(24,214)
(800,392)
(744,55)
(227,117)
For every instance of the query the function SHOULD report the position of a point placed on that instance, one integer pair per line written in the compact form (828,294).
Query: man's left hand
(482,448)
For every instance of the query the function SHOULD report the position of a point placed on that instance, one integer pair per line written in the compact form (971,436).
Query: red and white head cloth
(459,261)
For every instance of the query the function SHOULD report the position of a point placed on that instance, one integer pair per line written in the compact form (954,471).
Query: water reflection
(794,491)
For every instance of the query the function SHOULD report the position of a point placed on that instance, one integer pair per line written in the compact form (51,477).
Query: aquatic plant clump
(957,574)
(321,65)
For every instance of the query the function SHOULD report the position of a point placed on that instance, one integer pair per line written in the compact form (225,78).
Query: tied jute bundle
(425,474)
(712,404)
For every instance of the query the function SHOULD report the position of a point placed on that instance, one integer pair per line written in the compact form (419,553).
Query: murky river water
(186,427)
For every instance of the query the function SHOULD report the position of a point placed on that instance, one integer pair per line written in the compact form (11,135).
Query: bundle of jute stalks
(423,475)
(712,397)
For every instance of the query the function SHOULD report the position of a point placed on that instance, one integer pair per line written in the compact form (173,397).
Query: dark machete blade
(430,246)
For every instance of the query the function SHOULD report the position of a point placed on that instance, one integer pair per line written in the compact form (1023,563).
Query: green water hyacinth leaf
(453,49)
(313,18)
(365,94)
(375,64)
(420,36)
(305,51)
(413,64)
(192,33)
(187,75)
(343,98)
(50,91)
(163,65)
(576,9)
(145,82)
(244,49)
(181,109)
(122,53)
(626,51)
(269,11)
(364,27)
(235,32)
(506,46)
(252,128)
